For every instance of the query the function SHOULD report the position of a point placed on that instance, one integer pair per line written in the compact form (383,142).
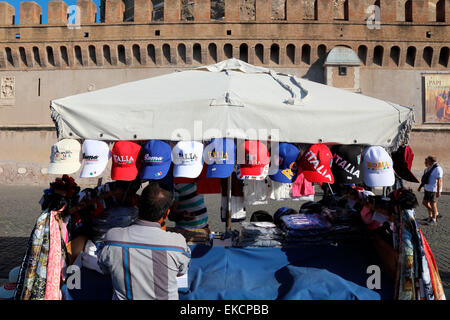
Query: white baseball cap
(378,167)
(65,157)
(188,159)
(95,155)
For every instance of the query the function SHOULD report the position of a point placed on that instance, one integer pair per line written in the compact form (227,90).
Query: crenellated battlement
(412,34)
(392,11)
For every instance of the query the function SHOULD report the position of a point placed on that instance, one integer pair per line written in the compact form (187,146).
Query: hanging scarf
(52,290)
(436,282)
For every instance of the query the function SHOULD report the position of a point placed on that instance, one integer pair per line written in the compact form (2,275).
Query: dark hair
(154,202)
(432,159)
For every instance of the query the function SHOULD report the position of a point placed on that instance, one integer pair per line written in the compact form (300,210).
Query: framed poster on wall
(437,98)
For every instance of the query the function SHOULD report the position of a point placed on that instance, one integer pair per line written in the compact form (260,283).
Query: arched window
(121,54)
(378,55)
(212,49)
(443,57)
(166,53)
(309,10)
(197,53)
(243,52)
(440,11)
(428,55)
(409,11)
(92,54)
(362,54)
(23,56)
(306,54)
(137,53)
(78,56)
(36,56)
(151,53)
(107,54)
(322,52)
(275,53)
(395,55)
(9,56)
(290,53)
(64,55)
(182,52)
(259,53)
(50,56)
(411,56)
(228,51)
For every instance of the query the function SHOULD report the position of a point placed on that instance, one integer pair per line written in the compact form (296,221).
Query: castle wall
(50,61)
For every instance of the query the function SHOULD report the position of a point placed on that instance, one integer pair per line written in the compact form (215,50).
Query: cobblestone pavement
(19,209)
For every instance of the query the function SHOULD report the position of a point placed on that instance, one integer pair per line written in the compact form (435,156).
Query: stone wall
(137,39)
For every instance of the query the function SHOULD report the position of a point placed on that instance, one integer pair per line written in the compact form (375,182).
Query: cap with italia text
(220,156)
(316,164)
(125,164)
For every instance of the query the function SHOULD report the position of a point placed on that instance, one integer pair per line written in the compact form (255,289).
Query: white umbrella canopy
(231,99)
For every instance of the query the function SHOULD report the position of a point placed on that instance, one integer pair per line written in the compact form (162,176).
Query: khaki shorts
(429,196)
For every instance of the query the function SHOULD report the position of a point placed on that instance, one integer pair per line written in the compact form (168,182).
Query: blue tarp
(316,272)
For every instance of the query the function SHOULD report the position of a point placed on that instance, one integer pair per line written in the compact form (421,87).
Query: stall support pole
(228,215)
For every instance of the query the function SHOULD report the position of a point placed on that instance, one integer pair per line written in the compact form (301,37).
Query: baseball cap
(8,289)
(285,155)
(347,164)
(125,160)
(65,157)
(378,168)
(256,160)
(188,159)
(220,156)
(403,159)
(95,155)
(316,164)
(157,158)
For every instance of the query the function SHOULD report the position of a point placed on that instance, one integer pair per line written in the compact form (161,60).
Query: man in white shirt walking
(432,183)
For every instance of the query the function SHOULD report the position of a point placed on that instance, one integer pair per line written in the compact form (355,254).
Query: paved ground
(19,209)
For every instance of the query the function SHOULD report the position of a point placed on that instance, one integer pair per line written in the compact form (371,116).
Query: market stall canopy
(231,99)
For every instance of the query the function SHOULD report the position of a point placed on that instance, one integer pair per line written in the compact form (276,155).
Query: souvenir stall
(251,135)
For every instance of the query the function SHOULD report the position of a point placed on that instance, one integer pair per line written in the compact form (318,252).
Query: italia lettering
(346,166)
(123,159)
(312,158)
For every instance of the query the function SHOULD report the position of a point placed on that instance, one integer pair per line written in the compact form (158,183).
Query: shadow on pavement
(12,250)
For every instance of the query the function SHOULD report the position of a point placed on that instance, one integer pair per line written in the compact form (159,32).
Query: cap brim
(66,168)
(91,170)
(314,176)
(281,177)
(219,170)
(187,171)
(252,171)
(379,180)
(124,174)
(155,172)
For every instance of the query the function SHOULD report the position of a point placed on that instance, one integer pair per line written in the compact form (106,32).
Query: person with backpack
(432,184)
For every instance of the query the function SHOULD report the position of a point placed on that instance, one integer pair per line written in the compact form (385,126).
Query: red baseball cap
(316,164)
(256,159)
(125,160)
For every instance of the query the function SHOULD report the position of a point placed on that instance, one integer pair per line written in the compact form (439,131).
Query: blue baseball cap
(157,158)
(220,156)
(286,154)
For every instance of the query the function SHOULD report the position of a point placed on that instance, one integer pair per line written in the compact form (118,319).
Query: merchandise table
(324,272)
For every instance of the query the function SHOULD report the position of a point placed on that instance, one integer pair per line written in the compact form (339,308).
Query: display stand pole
(228,215)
